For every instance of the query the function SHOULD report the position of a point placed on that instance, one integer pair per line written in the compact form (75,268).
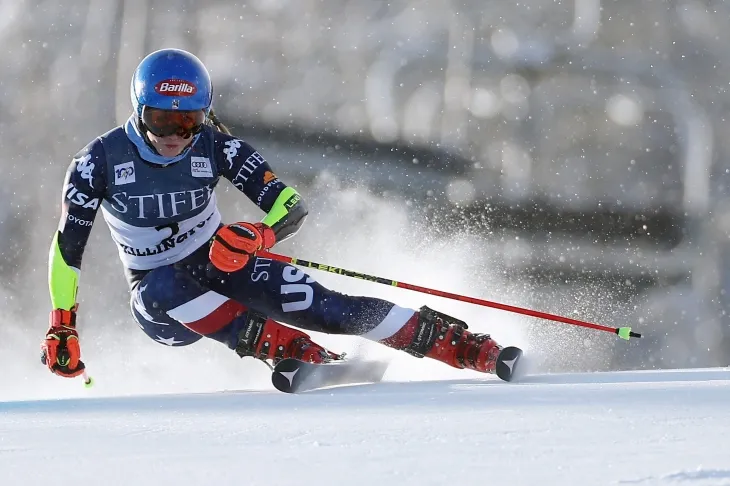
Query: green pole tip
(624,332)
(89,383)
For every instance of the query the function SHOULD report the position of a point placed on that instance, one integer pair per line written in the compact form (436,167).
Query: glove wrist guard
(62,318)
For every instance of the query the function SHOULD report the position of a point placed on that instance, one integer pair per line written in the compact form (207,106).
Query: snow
(633,427)
(201,415)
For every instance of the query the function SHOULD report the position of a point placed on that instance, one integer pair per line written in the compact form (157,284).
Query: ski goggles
(163,123)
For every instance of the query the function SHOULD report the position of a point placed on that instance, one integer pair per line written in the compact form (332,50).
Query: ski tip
(508,363)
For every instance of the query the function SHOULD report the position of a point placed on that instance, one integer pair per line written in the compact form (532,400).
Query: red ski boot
(439,336)
(266,339)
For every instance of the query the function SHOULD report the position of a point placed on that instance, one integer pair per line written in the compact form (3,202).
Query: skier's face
(170,146)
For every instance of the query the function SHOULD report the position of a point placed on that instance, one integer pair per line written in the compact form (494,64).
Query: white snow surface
(199,415)
(633,428)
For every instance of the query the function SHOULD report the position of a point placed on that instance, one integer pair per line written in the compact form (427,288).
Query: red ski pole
(622,332)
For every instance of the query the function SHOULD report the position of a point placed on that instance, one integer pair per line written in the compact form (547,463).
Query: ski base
(294,376)
(291,375)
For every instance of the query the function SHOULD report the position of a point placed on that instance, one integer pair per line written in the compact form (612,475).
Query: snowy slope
(663,427)
(147,423)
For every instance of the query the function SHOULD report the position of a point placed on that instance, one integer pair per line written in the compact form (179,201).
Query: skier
(192,276)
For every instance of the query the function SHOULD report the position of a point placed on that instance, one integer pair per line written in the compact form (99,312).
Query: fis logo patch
(200,167)
(124,174)
(269,176)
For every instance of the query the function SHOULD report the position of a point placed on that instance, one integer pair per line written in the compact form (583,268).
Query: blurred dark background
(584,144)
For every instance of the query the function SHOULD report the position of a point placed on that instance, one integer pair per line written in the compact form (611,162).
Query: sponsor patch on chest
(200,167)
(124,173)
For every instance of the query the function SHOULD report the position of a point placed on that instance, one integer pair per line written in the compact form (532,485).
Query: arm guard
(63,280)
(287,214)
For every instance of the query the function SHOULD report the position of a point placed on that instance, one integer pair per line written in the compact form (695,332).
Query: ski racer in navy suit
(193,276)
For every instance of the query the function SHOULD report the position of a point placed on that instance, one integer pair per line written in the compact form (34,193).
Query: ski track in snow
(641,427)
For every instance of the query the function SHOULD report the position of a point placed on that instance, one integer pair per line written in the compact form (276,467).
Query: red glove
(234,244)
(60,351)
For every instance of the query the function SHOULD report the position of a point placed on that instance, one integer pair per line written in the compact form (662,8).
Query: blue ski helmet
(171,79)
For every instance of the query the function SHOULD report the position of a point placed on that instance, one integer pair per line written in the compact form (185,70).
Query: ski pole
(88,381)
(623,332)
(63,358)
